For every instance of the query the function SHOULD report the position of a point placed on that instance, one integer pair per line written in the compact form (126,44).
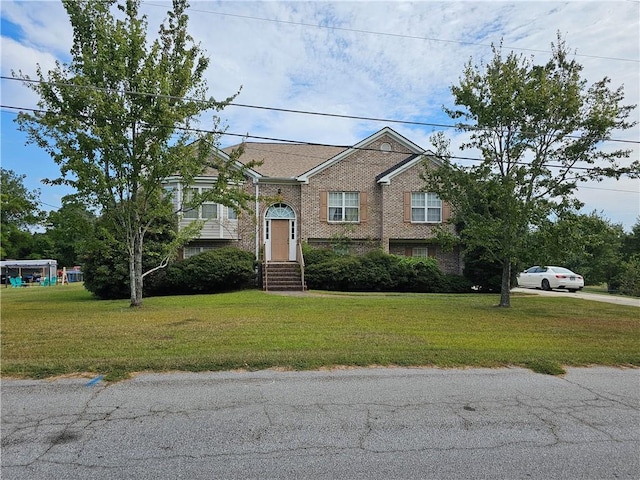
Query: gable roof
(211,171)
(386,176)
(397,166)
(285,160)
(412,148)
(300,161)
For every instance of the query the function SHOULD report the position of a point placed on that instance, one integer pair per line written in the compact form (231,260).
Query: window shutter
(446,211)
(431,251)
(407,207)
(363,207)
(408,252)
(323,206)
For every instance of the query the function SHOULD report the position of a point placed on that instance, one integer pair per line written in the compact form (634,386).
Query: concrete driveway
(618,300)
(373,424)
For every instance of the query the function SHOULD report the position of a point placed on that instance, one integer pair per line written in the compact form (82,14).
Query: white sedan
(549,278)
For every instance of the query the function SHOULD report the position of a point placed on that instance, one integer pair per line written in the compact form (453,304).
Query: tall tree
(119,118)
(68,230)
(540,131)
(588,244)
(631,242)
(19,210)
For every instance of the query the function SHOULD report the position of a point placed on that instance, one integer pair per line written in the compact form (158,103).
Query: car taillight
(561,276)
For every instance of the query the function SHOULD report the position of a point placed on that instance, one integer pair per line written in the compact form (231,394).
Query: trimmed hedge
(220,270)
(377,271)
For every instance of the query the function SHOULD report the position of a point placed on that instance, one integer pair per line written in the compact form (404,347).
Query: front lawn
(48,331)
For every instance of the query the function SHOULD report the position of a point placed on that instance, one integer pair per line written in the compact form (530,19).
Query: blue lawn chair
(45,282)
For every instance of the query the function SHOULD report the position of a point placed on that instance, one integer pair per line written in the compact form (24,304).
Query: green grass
(599,289)
(63,330)
(603,290)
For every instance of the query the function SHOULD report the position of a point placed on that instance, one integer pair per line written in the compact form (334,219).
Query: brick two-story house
(357,198)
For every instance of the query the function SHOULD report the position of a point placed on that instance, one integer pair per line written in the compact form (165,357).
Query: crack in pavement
(105,433)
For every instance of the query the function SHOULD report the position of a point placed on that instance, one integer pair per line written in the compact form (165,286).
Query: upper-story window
(344,207)
(426,207)
(205,211)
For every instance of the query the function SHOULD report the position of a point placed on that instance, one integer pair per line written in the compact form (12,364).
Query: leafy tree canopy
(587,244)
(540,131)
(120,117)
(68,230)
(19,210)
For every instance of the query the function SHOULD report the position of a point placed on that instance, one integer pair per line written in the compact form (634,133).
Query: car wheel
(545,284)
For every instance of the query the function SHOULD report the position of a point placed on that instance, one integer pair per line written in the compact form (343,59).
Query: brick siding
(384,226)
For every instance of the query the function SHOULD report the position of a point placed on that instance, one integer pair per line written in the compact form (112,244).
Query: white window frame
(426,207)
(339,204)
(420,252)
(189,252)
(201,210)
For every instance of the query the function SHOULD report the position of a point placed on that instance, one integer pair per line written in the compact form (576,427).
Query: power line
(609,189)
(232,104)
(386,34)
(276,109)
(57,207)
(349,117)
(298,142)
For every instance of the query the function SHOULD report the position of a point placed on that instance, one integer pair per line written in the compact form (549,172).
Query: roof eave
(386,179)
(304,178)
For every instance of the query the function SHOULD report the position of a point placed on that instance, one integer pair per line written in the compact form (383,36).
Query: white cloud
(44,25)
(384,59)
(17,58)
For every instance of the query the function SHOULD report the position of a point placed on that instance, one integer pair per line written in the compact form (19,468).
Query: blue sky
(391,60)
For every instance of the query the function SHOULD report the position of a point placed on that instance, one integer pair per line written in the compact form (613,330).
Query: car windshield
(562,270)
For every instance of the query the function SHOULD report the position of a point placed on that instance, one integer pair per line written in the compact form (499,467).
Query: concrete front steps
(282,277)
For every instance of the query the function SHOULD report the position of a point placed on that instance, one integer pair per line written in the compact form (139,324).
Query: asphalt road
(343,424)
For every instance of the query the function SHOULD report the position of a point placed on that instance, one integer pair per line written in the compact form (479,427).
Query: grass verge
(61,330)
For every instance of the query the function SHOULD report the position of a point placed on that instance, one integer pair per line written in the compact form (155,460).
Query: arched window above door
(280,211)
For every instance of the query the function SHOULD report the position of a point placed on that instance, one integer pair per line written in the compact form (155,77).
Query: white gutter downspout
(258,240)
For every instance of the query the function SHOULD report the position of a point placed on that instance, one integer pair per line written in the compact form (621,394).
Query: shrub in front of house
(220,270)
(377,271)
(457,284)
(420,275)
(339,274)
(313,255)
(105,265)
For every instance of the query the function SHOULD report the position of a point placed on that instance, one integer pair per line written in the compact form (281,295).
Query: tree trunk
(132,273)
(505,288)
(135,272)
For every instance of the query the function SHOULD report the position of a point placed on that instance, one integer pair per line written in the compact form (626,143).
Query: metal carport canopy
(28,263)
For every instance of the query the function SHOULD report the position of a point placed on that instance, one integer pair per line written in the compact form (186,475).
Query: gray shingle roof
(285,160)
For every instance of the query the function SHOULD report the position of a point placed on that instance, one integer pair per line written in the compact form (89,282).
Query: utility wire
(385,34)
(284,110)
(637,192)
(298,142)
